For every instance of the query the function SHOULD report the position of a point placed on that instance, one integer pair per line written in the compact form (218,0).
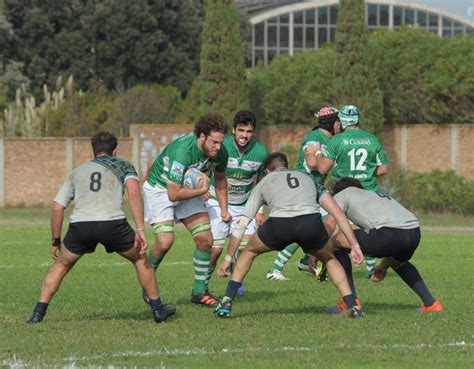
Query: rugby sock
(412,277)
(153,260)
(369,264)
(209,273)
(345,260)
(349,300)
(305,259)
(284,256)
(41,307)
(201,270)
(232,288)
(155,304)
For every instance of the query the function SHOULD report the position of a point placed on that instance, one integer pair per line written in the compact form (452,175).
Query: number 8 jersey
(356,154)
(97,189)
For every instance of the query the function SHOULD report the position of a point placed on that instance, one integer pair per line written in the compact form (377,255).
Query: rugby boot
(224,307)
(341,307)
(436,307)
(163,313)
(36,317)
(205,299)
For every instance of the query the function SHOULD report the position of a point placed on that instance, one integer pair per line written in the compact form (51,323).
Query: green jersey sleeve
(381,155)
(179,162)
(222,158)
(330,150)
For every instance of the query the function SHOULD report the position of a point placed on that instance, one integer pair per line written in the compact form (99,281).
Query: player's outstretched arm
(135,202)
(323,164)
(234,243)
(331,206)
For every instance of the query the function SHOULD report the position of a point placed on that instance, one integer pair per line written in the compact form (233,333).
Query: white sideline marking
(203,351)
(17,363)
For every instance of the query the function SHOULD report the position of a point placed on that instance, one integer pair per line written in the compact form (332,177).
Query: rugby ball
(193,178)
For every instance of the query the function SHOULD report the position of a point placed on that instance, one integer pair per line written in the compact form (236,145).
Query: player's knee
(204,242)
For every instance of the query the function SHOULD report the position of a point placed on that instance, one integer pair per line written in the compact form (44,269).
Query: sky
(456,7)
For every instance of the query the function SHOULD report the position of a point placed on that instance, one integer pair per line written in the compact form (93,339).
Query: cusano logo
(356,142)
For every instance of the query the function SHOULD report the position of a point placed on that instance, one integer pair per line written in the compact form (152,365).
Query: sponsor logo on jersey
(362,141)
(177,171)
(246,164)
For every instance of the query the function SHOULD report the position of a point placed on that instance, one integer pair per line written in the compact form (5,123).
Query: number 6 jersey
(97,188)
(287,193)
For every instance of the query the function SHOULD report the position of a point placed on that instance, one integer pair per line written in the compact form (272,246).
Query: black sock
(349,300)
(232,288)
(345,260)
(41,307)
(155,304)
(412,277)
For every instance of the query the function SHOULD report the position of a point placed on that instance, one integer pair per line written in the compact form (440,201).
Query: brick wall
(32,170)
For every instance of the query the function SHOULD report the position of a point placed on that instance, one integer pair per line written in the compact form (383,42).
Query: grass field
(98,319)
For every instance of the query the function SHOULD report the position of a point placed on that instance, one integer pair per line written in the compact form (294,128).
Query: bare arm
(136,206)
(322,164)
(331,206)
(57,216)
(381,170)
(177,192)
(221,187)
(310,158)
(234,243)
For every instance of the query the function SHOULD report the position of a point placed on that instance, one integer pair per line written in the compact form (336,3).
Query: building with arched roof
(287,27)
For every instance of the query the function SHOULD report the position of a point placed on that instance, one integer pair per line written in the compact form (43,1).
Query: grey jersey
(287,193)
(97,189)
(373,210)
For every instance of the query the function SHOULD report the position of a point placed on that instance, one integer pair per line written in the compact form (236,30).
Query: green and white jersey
(180,155)
(374,210)
(287,193)
(242,170)
(312,138)
(97,189)
(356,154)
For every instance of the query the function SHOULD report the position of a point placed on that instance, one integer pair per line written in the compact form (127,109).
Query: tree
(120,43)
(220,85)
(356,83)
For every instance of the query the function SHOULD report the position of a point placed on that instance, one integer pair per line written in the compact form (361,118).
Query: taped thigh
(163,228)
(200,229)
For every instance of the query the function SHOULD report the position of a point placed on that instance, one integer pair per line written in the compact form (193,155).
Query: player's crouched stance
(294,218)
(387,230)
(97,188)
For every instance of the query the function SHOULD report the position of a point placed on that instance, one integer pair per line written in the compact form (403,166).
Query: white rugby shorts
(221,229)
(158,207)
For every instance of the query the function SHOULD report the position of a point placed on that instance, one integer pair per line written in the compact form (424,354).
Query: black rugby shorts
(306,230)
(115,235)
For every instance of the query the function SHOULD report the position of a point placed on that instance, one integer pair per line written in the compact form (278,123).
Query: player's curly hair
(245,117)
(275,160)
(346,182)
(210,122)
(103,143)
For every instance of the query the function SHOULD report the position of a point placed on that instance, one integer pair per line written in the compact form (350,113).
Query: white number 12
(362,153)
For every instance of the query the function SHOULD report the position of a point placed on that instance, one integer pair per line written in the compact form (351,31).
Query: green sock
(209,273)
(153,260)
(369,263)
(305,259)
(201,270)
(284,256)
